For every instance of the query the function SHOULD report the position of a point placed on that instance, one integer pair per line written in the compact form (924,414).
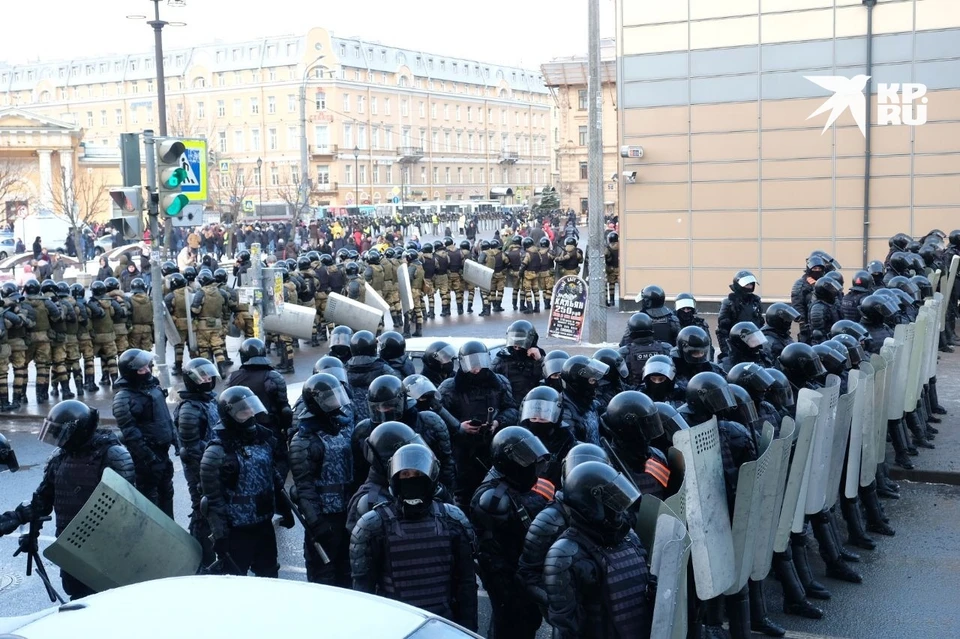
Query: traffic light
(171,175)
(126,201)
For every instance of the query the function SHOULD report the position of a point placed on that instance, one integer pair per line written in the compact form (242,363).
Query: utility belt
(209,323)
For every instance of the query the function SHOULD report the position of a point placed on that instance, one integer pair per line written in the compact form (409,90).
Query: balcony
(328,151)
(326,188)
(410,153)
(508,156)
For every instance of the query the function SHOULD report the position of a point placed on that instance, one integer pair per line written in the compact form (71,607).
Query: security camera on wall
(630,177)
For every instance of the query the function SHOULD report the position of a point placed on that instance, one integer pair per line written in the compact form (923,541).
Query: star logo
(847,94)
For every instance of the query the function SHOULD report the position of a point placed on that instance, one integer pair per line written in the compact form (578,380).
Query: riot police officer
(546,276)
(615,381)
(801,295)
(340,343)
(322,465)
(824,311)
(666,326)
(72,474)
(364,366)
(141,333)
(746,343)
(438,362)
(85,315)
(418,286)
(541,413)
(740,305)
(639,344)
(611,260)
(120,328)
(861,286)
(659,381)
(492,257)
(456,258)
(414,548)
(778,328)
(239,485)
(581,410)
(528,277)
(630,425)
(519,360)
(176,303)
(441,278)
(58,343)
(570,259)
(392,348)
(691,355)
(207,310)
(13,329)
(38,345)
(140,408)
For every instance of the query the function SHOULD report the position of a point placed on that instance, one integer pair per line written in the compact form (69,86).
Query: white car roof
(225,607)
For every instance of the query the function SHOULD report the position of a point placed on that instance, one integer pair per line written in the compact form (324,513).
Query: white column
(66,163)
(46,180)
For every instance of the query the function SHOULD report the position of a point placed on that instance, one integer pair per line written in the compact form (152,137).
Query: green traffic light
(173,205)
(173,178)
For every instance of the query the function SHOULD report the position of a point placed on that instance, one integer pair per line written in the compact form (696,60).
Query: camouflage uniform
(441,280)
(60,377)
(17,339)
(415,317)
(428,290)
(141,315)
(176,303)
(122,325)
(74,328)
(391,293)
(38,342)
(530,280)
(492,299)
(514,256)
(547,277)
(611,258)
(104,338)
(207,310)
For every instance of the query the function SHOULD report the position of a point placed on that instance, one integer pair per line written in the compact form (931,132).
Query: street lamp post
(356,177)
(305,180)
(260,187)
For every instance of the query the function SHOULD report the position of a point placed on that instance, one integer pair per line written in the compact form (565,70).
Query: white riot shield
(647,517)
(929,365)
(707,515)
(774,481)
(897,370)
(822,451)
(861,451)
(376,301)
(170,328)
(883,409)
(947,288)
(191,334)
(405,288)
(677,503)
(841,437)
(476,274)
(668,562)
(808,407)
(292,319)
(746,516)
(347,312)
(917,347)
(119,538)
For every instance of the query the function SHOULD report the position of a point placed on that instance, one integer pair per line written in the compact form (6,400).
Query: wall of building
(736,172)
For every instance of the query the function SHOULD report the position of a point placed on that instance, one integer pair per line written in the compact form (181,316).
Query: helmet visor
(746,413)
(415,457)
(246,409)
(204,374)
(522,339)
(717,399)
(527,451)
(417,386)
(781,396)
(695,354)
(475,362)
(594,369)
(754,340)
(673,423)
(445,355)
(390,410)
(336,371)
(331,400)
(340,339)
(685,303)
(540,410)
(667,369)
(747,280)
(553,366)
(57,434)
(619,494)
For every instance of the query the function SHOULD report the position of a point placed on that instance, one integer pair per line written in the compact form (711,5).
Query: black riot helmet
(876,271)
(900,262)
(351,268)
(411,256)
(522,335)
(303,263)
(581,375)
(177,281)
(597,494)
(671,419)
(48,286)
(709,393)
(326,259)
(387,399)
(905,299)
(613,237)
(745,412)
(363,343)
(253,352)
(662,366)
(420,389)
(914,247)
(876,309)
(439,357)
(923,285)
(744,282)
(169,268)
(190,273)
(243,257)
(390,253)
(200,375)
(816,266)
(9,291)
(98,289)
(640,325)
(413,479)
(427,249)
(693,343)
(8,456)
(76,290)
(614,359)
(842,351)
(570,241)
(780,317)
(220,276)
(516,239)
(447,241)
(580,454)
(373,256)
(391,345)
(385,440)
(112,284)
(849,327)
(32,286)
(323,394)
(69,425)
(131,365)
(544,242)
(900,241)
(855,351)
(652,297)
(745,337)
(340,339)
(540,411)
(333,366)
(205,277)
(800,363)
(465,245)
(63,290)
(836,276)
(138,285)
(518,454)
(905,285)
(780,393)
(473,357)
(954,237)
(632,420)
(240,409)
(752,377)
(827,289)
(495,244)
(484,245)
(685,306)
(552,368)
(527,243)
(928,252)
(831,263)
(862,282)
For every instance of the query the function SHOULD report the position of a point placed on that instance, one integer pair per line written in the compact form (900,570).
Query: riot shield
(120,538)
(915,360)
(841,437)
(775,477)
(170,328)
(882,409)
(897,370)
(746,516)
(928,367)
(292,319)
(191,334)
(376,301)
(347,312)
(791,510)
(647,517)
(707,515)
(948,288)
(668,562)
(822,450)
(476,274)
(405,288)
(861,451)
(677,503)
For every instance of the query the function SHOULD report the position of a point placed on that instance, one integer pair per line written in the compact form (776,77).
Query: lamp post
(260,187)
(356,177)
(305,180)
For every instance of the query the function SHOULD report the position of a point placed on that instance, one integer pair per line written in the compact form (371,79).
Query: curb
(926,476)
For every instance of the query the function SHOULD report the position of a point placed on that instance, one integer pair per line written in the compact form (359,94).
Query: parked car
(8,247)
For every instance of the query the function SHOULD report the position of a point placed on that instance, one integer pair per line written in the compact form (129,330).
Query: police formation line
(412,485)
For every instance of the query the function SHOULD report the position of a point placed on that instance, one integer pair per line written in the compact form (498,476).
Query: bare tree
(292,194)
(12,178)
(228,189)
(79,198)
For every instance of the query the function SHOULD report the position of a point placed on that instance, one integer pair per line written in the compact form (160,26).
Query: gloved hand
(221,546)
(8,522)
(320,530)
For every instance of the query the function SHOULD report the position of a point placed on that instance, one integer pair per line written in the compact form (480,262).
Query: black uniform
(269,385)
(801,298)
(361,371)
(522,371)
(776,341)
(636,353)
(402,366)
(195,419)
(737,307)
(666,326)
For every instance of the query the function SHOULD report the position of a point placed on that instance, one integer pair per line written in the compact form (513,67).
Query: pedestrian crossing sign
(194,163)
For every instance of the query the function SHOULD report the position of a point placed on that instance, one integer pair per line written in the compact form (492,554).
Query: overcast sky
(515,32)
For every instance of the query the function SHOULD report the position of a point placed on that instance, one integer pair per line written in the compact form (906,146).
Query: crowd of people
(521,467)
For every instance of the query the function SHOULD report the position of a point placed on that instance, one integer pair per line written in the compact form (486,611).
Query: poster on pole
(569,309)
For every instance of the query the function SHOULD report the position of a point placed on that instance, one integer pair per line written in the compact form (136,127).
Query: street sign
(248,205)
(194,162)
(225,166)
(192,215)
(396,200)
(395,190)
(569,308)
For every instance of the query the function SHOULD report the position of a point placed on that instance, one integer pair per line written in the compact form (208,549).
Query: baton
(324,557)
(616,460)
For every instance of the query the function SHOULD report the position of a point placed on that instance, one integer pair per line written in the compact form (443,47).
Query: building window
(469,114)
(222,141)
(376,174)
(254,139)
(362,136)
(470,142)
(272,75)
(348,135)
(373,105)
(446,111)
(254,106)
(459,175)
(321,101)
(386,106)
(459,142)
(89,118)
(388,136)
(348,173)
(221,109)
(446,141)
(272,141)
(361,104)
(582,100)
(362,173)
(271,104)
(375,137)
(436,175)
(323,174)
(583,170)
(458,113)
(583,136)
(346,102)
(119,114)
(256,177)
(404,110)
(238,141)
(422,109)
(295,173)
(446,175)
(237,107)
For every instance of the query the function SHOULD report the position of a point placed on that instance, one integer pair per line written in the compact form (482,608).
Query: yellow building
(463,129)
(567,78)
(739,172)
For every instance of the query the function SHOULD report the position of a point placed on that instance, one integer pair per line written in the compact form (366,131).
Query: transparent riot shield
(292,319)
(774,483)
(791,511)
(861,451)
(476,274)
(917,348)
(820,454)
(747,513)
(405,288)
(841,437)
(898,369)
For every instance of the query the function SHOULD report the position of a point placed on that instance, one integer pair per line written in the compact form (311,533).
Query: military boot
(515,303)
(78,381)
(419,330)
(918,431)
(446,311)
(498,306)
(712,615)
(856,531)
(406,326)
(42,392)
(739,616)
(459,308)
(876,522)
(523,307)
(5,405)
(486,311)
(546,304)
(66,392)
(468,305)
(18,399)
(830,551)
(55,388)
(812,587)
(935,406)
(536,306)
(795,600)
